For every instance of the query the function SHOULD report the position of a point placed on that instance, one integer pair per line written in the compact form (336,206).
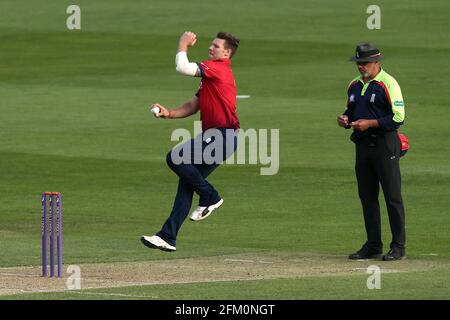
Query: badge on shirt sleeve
(352,98)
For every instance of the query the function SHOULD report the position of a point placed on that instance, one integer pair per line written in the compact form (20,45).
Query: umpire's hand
(342,120)
(364,124)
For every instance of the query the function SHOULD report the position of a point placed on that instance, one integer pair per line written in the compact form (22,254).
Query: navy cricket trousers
(195,166)
(378,162)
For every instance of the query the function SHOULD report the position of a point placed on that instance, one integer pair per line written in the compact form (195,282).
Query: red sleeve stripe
(353,83)
(386,91)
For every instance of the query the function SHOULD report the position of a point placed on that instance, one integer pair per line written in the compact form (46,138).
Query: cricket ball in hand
(155,110)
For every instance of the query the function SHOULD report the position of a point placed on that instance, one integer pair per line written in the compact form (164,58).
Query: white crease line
(57,278)
(382,270)
(122,284)
(242,97)
(139,284)
(249,261)
(314,255)
(429,254)
(333,255)
(20,275)
(238,260)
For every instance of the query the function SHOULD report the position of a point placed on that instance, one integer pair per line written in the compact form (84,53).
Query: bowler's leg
(192,178)
(181,206)
(190,173)
(180,210)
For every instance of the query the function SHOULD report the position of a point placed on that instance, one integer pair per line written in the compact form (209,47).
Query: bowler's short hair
(231,41)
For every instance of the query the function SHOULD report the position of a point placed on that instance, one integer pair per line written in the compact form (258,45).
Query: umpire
(375,110)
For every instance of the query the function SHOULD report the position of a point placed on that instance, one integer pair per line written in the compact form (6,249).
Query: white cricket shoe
(203,212)
(156,242)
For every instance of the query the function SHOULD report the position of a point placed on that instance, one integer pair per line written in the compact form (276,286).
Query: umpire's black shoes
(395,254)
(366,253)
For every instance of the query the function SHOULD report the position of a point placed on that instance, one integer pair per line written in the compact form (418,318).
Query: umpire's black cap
(367,52)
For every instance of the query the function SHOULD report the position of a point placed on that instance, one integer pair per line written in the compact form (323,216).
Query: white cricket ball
(155,110)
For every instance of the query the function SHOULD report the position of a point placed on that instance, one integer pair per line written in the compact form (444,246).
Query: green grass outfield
(74,118)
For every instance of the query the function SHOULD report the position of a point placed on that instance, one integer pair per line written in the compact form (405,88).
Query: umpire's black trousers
(377,162)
